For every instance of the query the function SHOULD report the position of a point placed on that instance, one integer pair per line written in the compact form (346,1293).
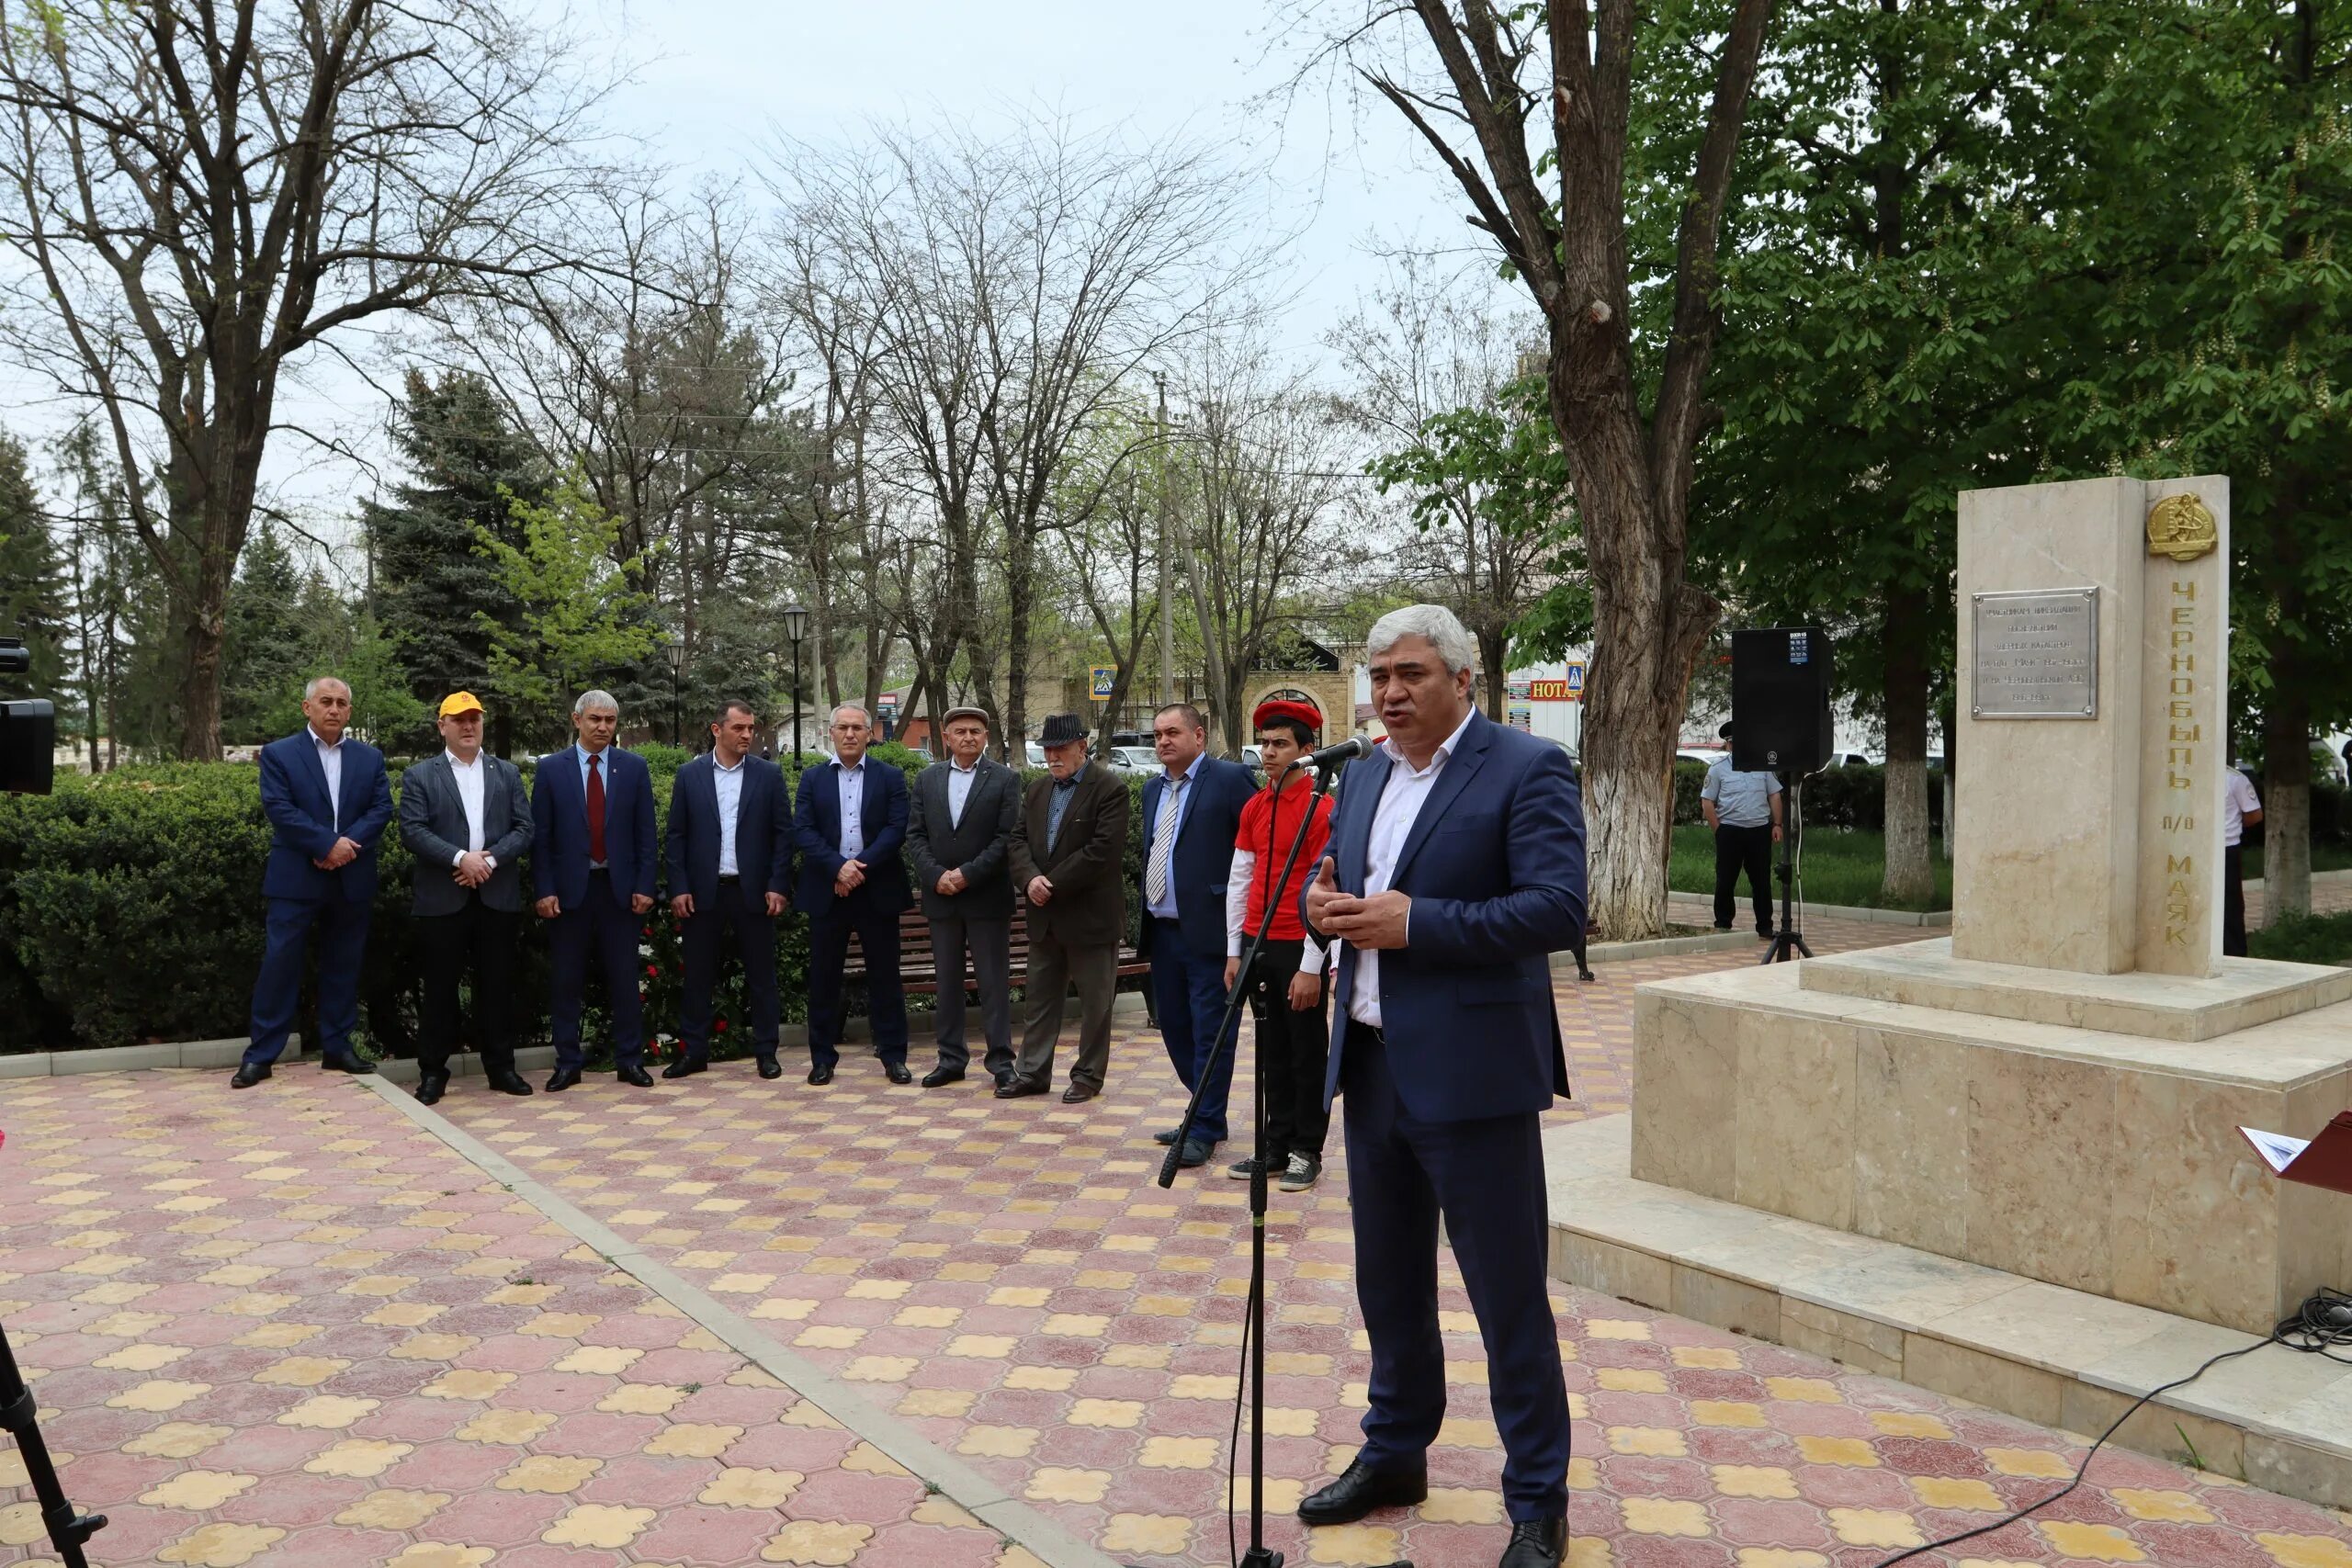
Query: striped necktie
(1163,839)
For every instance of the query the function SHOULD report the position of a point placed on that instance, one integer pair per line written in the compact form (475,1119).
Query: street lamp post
(796,627)
(677,652)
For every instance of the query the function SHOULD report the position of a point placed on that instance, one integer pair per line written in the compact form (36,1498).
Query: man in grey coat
(958,834)
(465,818)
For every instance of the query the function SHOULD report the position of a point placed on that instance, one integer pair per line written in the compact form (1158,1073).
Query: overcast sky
(712,81)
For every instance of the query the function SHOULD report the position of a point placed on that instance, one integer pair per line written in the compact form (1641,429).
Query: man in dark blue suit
(1456,868)
(849,823)
(328,802)
(729,849)
(1192,811)
(593,860)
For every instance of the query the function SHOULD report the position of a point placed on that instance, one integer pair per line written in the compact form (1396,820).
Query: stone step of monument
(2278,1418)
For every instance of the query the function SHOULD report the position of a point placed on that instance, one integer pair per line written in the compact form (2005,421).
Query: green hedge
(1834,797)
(130,910)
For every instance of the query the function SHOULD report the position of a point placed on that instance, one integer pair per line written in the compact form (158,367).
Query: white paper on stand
(2278,1150)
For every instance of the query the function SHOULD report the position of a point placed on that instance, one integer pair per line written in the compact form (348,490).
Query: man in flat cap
(959,841)
(466,819)
(1067,848)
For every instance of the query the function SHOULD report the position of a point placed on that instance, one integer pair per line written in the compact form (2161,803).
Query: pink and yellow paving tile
(291,1328)
(1007,1279)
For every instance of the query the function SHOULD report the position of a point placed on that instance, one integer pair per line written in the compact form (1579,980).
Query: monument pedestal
(2099,1160)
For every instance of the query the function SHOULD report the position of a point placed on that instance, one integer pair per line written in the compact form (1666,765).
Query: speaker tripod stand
(67,1529)
(1788,942)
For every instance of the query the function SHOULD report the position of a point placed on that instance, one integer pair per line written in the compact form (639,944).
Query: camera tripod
(67,1529)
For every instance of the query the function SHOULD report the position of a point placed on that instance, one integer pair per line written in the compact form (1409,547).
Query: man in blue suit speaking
(849,822)
(1192,814)
(1456,868)
(593,861)
(328,802)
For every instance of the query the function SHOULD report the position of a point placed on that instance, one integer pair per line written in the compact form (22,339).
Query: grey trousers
(990,944)
(1053,965)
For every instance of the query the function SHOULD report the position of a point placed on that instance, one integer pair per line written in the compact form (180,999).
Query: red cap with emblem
(1306,713)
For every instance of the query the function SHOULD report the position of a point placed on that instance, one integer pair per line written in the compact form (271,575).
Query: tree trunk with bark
(2286,804)
(1910,879)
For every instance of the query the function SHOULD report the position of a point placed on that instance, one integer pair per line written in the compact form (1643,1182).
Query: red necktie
(595,807)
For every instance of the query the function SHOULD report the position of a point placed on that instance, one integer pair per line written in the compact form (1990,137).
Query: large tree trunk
(1910,878)
(1492,652)
(2286,803)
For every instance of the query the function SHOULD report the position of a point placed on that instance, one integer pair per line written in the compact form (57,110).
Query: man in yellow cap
(467,819)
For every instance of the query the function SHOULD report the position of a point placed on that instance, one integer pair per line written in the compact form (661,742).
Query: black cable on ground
(2320,1327)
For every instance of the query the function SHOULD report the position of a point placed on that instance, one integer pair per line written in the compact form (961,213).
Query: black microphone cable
(2320,1327)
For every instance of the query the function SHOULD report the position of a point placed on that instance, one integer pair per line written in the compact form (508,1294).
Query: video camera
(27,731)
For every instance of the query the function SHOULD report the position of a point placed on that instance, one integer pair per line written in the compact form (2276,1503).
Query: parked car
(1252,759)
(1703,756)
(1138,759)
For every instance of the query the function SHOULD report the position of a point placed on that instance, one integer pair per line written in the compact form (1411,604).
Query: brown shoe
(1078,1093)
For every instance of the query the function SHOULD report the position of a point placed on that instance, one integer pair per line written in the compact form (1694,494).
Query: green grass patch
(1842,865)
(2325,857)
(2304,939)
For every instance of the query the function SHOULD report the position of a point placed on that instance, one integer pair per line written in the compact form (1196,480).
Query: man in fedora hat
(466,819)
(959,841)
(1068,850)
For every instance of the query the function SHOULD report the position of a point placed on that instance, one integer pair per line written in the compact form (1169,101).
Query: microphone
(1345,751)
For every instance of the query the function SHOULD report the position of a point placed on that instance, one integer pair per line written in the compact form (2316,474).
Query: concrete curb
(1934,918)
(137,1058)
(1657,947)
(1015,1521)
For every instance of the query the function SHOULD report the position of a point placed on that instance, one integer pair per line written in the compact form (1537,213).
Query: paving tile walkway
(1005,1278)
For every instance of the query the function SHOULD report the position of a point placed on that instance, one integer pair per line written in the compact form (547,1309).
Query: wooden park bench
(920,975)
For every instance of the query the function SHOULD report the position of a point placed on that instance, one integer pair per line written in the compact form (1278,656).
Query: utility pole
(1167,589)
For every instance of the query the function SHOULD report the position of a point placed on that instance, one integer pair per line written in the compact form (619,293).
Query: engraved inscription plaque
(2036,654)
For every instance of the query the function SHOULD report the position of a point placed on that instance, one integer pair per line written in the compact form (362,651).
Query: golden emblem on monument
(2181,526)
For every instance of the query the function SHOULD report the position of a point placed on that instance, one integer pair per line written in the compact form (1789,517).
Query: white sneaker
(1300,1174)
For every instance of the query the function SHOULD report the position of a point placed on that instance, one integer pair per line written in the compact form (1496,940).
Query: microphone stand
(67,1529)
(1228,1035)
(1788,941)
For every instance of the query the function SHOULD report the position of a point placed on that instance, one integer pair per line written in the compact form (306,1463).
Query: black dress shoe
(940,1077)
(634,1075)
(1079,1093)
(897,1072)
(1168,1135)
(1361,1489)
(820,1075)
(248,1074)
(1019,1088)
(510,1083)
(562,1078)
(1197,1151)
(1536,1543)
(768,1068)
(430,1086)
(686,1067)
(1002,1079)
(346,1064)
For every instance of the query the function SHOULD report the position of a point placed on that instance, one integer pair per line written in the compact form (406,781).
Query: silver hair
(596,700)
(311,688)
(857,708)
(1435,623)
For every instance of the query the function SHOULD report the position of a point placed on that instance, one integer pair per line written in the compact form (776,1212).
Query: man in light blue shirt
(849,825)
(1744,811)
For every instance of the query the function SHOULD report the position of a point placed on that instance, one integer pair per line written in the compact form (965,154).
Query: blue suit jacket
(763,831)
(1203,853)
(1494,864)
(304,824)
(817,834)
(560,827)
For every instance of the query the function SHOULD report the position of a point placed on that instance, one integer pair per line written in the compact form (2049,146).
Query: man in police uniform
(1743,810)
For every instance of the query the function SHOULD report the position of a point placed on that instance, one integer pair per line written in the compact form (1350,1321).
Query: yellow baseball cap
(459,702)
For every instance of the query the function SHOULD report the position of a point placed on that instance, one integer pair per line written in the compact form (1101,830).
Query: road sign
(1569,689)
(1102,681)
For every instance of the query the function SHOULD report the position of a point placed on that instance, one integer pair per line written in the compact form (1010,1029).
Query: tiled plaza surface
(294,1311)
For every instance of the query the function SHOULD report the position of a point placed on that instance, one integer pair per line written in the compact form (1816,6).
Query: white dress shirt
(959,789)
(1392,823)
(729,785)
(331,759)
(469,777)
(853,809)
(2237,799)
